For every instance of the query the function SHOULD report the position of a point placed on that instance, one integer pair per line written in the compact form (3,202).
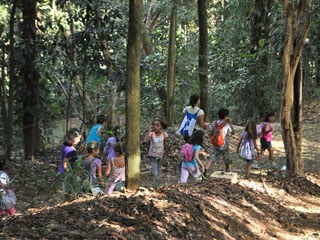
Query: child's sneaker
(203,176)
(255,165)
(12,211)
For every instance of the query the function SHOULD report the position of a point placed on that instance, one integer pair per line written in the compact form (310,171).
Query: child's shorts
(217,152)
(265,144)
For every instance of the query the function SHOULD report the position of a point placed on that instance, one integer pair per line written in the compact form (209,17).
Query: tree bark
(203,56)
(171,64)
(31,80)
(133,158)
(296,31)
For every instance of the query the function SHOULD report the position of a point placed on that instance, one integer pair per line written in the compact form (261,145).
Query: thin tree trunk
(203,56)
(133,158)
(291,110)
(11,81)
(171,64)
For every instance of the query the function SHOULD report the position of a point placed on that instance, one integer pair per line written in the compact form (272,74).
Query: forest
(64,62)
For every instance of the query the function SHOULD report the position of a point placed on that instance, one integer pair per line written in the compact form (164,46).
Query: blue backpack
(188,124)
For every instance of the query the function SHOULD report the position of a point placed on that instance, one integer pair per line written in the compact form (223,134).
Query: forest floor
(268,205)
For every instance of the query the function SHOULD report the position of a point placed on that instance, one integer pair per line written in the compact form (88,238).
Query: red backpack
(186,152)
(217,138)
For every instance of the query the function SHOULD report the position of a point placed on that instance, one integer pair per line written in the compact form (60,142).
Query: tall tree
(12,79)
(203,56)
(133,95)
(260,30)
(297,24)
(31,78)
(171,64)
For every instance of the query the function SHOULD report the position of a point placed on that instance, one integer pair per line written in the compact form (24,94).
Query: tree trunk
(31,80)
(291,110)
(260,22)
(203,56)
(133,158)
(11,81)
(171,65)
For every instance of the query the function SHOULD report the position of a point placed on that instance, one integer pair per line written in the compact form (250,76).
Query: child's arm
(202,123)
(267,128)
(108,168)
(204,153)
(228,120)
(239,144)
(255,145)
(99,176)
(147,137)
(196,156)
(65,165)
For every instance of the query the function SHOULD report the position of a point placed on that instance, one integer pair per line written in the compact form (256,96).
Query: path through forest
(269,205)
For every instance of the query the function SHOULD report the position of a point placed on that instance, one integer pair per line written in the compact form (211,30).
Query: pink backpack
(186,152)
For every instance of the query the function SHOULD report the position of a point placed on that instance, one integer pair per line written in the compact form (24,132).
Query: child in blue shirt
(95,133)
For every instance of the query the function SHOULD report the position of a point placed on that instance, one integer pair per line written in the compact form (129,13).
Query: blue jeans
(156,164)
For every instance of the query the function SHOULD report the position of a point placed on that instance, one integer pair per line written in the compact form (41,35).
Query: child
(192,166)
(108,151)
(157,138)
(95,133)
(266,137)
(94,167)
(223,150)
(116,170)
(191,115)
(7,197)
(248,138)
(68,151)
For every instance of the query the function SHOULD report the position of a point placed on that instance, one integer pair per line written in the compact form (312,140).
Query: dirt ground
(268,205)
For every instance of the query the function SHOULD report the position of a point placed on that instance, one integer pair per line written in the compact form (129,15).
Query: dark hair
(162,123)
(71,134)
(223,112)
(268,115)
(92,146)
(197,137)
(251,130)
(101,119)
(194,99)
(118,148)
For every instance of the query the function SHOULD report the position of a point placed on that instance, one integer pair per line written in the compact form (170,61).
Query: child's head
(197,137)
(118,149)
(93,147)
(101,119)
(158,125)
(72,138)
(4,178)
(223,113)
(269,116)
(251,129)
(194,99)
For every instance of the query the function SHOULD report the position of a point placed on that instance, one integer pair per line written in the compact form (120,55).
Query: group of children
(113,177)
(113,155)
(246,146)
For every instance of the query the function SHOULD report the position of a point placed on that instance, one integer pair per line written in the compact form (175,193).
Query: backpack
(245,150)
(188,124)
(260,129)
(217,138)
(186,152)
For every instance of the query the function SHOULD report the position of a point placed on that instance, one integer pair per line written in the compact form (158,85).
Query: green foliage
(76,179)
(243,80)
